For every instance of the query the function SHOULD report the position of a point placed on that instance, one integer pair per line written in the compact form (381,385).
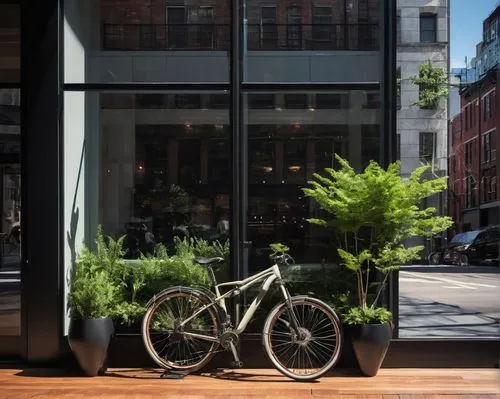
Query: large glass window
(165,170)
(285,147)
(10,211)
(10,170)
(157,41)
(451,291)
(333,41)
(161,163)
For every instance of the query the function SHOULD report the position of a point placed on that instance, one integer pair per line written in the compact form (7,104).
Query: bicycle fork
(293,318)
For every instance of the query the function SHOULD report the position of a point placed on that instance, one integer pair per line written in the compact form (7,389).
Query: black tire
(435,258)
(464,260)
(151,328)
(305,345)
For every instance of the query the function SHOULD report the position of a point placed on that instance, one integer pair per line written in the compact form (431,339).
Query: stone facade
(411,119)
(411,53)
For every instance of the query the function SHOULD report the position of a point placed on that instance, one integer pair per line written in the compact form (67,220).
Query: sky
(466,25)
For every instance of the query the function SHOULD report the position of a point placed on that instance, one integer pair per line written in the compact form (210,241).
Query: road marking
(457,287)
(449,281)
(417,280)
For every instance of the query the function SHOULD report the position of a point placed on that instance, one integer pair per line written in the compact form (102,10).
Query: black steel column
(388,81)
(234,121)
(236,144)
(42,301)
(388,140)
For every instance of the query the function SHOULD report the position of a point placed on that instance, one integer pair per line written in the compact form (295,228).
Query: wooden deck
(230,384)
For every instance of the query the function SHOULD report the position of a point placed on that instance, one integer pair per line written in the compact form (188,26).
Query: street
(448,301)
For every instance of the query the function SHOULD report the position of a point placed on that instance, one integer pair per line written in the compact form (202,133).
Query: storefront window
(154,41)
(10,170)
(10,211)
(285,151)
(335,41)
(165,172)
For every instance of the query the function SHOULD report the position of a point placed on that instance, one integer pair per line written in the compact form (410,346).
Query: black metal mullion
(134,86)
(234,121)
(388,138)
(317,87)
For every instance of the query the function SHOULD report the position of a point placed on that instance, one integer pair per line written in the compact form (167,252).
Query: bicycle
(184,326)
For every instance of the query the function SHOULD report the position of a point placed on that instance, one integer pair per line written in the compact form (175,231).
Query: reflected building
(157,146)
(422,36)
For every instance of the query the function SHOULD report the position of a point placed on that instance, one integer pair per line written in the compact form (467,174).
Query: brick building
(270,25)
(473,196)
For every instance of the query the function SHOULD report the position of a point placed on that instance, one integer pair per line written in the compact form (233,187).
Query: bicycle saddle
(208,261)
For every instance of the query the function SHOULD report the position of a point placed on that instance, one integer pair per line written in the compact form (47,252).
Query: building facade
(422,133)
(473,189)
(187,118)
(473,193)
(488,50)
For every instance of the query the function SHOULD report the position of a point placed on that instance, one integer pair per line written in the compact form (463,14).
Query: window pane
(10,43)
(164,166)
(10,208)
(428,29)
(338,41)
(285,147)
(134,41)
(426,146)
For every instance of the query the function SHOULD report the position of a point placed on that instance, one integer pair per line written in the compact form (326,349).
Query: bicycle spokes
(309,348)
(169,339)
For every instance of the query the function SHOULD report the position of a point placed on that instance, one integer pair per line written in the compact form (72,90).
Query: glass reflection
(10,43)
(337,41)
(173,175)
(286,146)
(10,210)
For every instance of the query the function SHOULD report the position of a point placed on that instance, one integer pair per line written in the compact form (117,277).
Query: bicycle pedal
(237,364)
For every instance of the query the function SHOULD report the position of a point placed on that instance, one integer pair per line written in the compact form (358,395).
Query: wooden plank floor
(266,384)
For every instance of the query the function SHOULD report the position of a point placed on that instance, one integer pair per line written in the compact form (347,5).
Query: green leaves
(433,84)
(279,248)
(375,211)
(103,284)
(354,262)
(358,315)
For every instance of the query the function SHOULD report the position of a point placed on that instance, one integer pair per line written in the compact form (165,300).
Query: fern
(374,212)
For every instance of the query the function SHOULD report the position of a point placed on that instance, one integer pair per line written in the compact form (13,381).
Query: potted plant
(92,299)
(374,212)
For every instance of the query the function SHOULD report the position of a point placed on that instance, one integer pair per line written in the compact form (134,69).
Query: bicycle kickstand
(173,374)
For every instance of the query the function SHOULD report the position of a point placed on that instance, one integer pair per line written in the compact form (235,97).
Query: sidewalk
(247,383)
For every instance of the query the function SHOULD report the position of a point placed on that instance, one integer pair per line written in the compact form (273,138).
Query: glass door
(12,333)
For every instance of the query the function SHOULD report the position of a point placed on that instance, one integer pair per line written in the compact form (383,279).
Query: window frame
(426,17)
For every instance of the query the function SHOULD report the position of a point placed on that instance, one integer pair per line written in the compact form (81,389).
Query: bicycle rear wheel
(312,351)
(169,346)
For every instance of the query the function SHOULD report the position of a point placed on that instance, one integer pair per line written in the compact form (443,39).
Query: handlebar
(284,259)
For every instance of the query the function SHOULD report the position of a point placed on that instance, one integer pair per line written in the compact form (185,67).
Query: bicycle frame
(270,275)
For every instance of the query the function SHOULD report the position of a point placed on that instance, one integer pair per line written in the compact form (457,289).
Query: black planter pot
(89,340)
(370,343)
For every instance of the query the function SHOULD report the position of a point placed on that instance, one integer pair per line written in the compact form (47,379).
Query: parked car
(470,248)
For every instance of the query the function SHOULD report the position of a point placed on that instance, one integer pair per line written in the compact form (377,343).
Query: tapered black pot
(370,343)
(89,340)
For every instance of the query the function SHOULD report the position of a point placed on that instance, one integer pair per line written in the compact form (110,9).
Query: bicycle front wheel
(308,352)
(168,345)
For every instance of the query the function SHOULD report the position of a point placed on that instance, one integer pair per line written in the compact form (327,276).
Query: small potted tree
(92,299)
(374,212)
